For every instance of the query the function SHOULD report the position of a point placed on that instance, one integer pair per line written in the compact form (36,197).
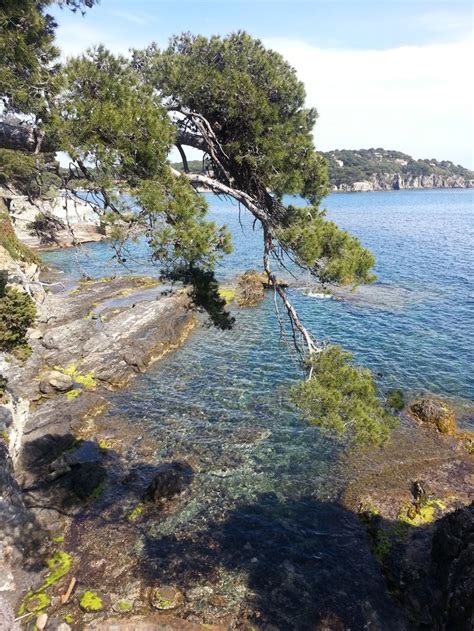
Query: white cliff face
(389,182)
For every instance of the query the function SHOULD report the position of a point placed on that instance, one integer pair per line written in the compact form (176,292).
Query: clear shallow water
(413,328)
(262,525)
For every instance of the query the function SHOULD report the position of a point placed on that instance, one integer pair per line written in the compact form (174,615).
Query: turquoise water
(413,328)
(261,532)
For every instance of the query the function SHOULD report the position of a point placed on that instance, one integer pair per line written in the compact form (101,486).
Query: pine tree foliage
(341,398)
(244,107)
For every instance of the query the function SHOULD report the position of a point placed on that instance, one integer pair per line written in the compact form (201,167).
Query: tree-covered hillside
(381,167)
(347,166)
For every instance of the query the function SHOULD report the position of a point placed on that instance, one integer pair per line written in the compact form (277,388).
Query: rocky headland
(366,170)
(380,169)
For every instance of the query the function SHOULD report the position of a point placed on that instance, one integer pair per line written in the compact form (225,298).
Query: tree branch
(183,158)
(197,179)
(310,344)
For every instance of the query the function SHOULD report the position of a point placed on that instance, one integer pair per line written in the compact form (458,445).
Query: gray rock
(55,381)
(5,417)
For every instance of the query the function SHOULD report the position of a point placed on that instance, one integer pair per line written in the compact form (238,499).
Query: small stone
(41,621)
(123,606)
(64,627)
(166,597)
(55,381)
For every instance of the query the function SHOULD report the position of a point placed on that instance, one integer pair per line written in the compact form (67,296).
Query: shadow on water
(275,563)
(298,562)
(306,564)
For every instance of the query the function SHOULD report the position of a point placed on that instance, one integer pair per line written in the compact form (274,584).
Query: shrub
(8,240)
(17,314)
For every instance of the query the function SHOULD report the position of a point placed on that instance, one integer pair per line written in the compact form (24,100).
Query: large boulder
(170,479)
(436,414)
(452,555)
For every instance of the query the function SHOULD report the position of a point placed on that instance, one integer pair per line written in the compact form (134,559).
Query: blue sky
(392,73)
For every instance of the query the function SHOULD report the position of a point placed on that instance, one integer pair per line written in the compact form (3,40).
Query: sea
(266,483)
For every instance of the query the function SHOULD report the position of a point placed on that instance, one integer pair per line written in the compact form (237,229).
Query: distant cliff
(384,170)
(380,170)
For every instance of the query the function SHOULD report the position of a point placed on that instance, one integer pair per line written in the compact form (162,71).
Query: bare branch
(183,158)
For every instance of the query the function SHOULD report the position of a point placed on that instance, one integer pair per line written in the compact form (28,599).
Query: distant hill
(383,170)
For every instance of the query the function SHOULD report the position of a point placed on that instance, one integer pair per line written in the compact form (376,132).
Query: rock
(41,621)
(55,381)
(250,288)
(5,417)
(80,468)
(199,593)
(166,597)
(171,478)
(123,606)
(86,479)
(452,555)
(64,627)
(434,413)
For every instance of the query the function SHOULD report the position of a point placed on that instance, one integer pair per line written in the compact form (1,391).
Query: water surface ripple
(221,401)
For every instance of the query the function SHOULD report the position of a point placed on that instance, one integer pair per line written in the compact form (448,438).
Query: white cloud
(417,99)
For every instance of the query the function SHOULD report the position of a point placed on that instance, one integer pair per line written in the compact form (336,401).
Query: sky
(381,73)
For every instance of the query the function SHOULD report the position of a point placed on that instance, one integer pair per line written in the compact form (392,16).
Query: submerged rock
(166,597)
(171,479)
(435,413)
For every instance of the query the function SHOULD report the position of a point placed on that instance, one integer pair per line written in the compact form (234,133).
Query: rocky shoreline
(80,490)
(57,222)
(399,182)
(87,341)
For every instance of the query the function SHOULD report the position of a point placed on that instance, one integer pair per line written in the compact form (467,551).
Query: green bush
(8,240)
(17,314)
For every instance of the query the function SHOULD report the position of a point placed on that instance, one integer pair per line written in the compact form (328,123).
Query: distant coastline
(369,170)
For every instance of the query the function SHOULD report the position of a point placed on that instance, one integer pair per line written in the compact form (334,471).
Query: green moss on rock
(34,602)
(59,565)
(73,394)
(136,512)
(90,601)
